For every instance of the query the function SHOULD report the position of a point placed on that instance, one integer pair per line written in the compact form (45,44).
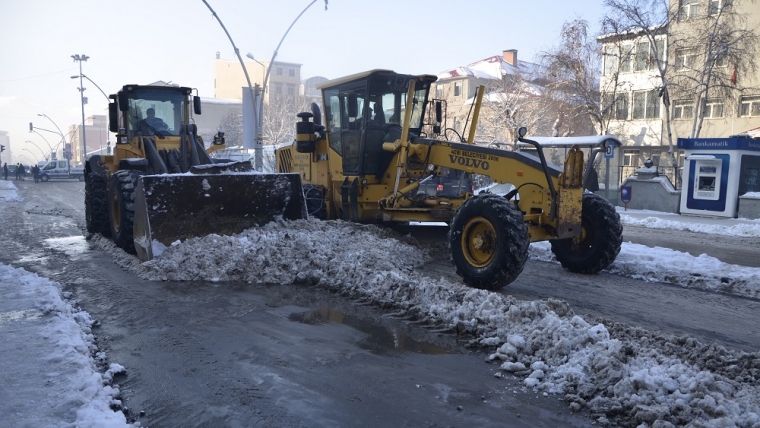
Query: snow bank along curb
(632,375)
(71,362)
(674,267)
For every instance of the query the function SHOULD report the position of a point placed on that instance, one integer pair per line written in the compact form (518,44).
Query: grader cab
(366,162)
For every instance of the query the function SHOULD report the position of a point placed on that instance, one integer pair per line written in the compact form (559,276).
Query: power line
(34,77)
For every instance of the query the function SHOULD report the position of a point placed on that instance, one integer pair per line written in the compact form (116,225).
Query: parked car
(61,169)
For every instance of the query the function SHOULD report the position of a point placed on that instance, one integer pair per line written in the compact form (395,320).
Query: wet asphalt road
(235,355)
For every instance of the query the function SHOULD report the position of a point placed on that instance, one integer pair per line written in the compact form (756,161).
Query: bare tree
(511,103)
(280,118)
(712,45)
(232,124)
(646,22)
(704,38)
(572,75)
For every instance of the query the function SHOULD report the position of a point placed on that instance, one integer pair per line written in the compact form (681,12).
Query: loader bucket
(171,207)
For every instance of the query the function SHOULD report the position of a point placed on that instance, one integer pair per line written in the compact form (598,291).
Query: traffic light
(2,148)
(31,127)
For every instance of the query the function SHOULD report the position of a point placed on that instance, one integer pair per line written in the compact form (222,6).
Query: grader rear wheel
(599,242)
(488,241)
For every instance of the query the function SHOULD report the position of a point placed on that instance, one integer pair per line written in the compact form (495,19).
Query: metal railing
(673,174)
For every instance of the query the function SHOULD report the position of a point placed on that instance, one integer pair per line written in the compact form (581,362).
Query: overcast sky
(143,41)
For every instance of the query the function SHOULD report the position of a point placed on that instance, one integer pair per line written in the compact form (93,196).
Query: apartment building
(229,78)
(632,87)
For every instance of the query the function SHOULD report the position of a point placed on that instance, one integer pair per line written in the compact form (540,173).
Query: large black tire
(121,208)
(96,204)
(488,240)
(599,242)
(315,201)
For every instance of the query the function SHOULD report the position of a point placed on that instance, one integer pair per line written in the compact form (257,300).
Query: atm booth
(716,172)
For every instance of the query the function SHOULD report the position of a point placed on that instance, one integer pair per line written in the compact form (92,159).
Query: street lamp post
(259,123)
(80,59)
(32,153)
(107,100)
(38,148)
(96,85)
(242,64)
(63,140)
(34,129)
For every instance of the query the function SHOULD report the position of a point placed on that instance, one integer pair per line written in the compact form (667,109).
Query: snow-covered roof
(493,67)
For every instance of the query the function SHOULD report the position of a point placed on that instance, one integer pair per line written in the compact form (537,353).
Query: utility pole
(80,59)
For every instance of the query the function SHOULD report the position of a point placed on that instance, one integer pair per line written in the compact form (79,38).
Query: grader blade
(171,207)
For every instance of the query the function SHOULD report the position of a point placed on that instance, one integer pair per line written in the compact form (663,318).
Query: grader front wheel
(599,242)
(488,241)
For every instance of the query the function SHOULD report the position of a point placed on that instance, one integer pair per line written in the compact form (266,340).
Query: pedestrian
(18,171)
(36,173)
(5,171)
(23,171)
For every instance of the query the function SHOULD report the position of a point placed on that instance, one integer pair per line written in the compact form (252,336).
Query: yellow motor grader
(368,160)
(161,185)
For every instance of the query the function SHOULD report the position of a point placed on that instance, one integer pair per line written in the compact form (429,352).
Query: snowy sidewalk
(708,225)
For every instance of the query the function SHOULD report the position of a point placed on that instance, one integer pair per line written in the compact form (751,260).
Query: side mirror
(197,104)
(522,132)
(113,118)
(123,102)
(438,112)
(353,106)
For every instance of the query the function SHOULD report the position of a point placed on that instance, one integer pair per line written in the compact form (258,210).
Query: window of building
(277,90)
(683,109)
(689,9)
(685,59)
(626,57)
(438,91)
(279,71)
(646,104)
(291,91)
(750,106)
(713,109)
(646,55)
(618,107)
(610,59)
(630,158)
(457,89)
(717,6)
(642,56)
(291,73)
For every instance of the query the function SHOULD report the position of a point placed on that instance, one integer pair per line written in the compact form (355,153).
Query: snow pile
(618,372)
(8,192)
(731,229)
(58,380)
(657,264)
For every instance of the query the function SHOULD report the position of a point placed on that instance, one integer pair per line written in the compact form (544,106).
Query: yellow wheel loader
(161,185)
(374,152)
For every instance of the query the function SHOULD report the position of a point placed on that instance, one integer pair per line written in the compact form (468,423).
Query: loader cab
(365,110)
(169,103)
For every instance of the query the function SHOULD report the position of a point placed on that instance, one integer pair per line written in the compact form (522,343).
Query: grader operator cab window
(362,115)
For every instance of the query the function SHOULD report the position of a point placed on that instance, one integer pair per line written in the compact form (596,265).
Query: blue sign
(609,151)
(719,144)
(625,194)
